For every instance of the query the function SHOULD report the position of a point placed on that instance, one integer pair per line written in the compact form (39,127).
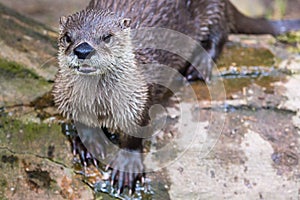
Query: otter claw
(113,176)
(121,180)
(74,148)
(126,169)
(143,180)
(95,163)
(130,193)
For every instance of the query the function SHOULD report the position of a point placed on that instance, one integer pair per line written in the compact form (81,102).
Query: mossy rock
(20,85)
(28,42)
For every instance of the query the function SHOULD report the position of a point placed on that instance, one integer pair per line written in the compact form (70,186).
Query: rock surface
(254,156)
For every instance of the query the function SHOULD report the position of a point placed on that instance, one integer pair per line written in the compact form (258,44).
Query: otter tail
(246,25)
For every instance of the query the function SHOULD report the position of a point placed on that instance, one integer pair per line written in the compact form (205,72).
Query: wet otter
(100,83)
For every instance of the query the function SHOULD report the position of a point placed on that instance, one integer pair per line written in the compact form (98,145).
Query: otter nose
(84,50)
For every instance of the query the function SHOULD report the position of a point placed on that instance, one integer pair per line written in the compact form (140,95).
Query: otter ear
(125,23)
(63,20)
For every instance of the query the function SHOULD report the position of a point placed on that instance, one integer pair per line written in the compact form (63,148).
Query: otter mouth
(86,69)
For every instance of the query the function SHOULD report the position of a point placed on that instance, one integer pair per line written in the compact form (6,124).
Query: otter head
(94,42)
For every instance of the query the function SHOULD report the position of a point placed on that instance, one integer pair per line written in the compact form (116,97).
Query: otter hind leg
(200,68)
(204,57)
(210,29)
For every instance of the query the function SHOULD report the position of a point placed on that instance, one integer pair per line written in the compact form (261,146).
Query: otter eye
(107,38)
(67,38)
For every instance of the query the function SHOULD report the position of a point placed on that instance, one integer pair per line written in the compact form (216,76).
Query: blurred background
(49,11)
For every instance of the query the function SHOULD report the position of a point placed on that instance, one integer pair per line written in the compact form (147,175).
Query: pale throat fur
(115,94)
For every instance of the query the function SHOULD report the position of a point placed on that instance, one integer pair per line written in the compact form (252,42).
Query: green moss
(3,187)
(291,37)
(278,10)
(281,6)
(28,137)
(242,66)
(26,132)
(242,56)
(3,183)
(11,69)
(21,82)
(33,138)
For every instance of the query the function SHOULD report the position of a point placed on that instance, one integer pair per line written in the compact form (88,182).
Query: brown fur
(208,22)
(116,95)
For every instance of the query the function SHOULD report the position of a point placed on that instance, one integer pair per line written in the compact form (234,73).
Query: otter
(100,84)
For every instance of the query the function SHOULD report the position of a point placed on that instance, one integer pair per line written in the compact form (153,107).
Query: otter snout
(84,50)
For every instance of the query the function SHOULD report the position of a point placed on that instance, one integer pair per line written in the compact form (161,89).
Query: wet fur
(117,95)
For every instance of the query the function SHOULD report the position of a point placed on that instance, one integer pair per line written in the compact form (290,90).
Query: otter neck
(102,100)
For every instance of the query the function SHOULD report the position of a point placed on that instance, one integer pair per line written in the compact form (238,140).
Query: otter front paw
(78,148)
(127,169)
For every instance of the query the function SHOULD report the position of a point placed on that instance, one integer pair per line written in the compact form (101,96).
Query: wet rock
(254,153)
(19,85)
(27,58)
(27,42)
